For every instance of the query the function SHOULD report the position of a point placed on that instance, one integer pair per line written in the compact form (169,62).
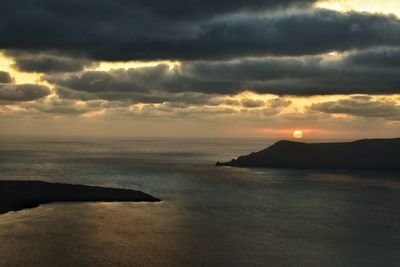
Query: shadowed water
(210,216)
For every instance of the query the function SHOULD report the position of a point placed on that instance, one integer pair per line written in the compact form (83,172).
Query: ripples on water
(210,216)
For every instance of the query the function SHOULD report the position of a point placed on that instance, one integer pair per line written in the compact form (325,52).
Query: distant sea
(209,216)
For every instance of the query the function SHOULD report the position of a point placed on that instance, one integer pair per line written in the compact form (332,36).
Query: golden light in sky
(372,6)
(298,134)
(6,64)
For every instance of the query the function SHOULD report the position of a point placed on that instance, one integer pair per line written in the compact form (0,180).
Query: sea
(208,216)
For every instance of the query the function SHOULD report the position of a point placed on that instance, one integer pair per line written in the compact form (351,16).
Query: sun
(298,134)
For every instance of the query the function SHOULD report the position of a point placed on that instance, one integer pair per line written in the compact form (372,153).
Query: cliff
(361,154)
(17,195)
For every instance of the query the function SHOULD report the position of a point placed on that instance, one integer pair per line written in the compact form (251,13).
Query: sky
(211,68)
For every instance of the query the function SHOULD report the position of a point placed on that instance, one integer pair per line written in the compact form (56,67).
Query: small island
(362,154)
(17,195)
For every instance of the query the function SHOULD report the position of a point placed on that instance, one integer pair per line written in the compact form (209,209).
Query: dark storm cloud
(5,77)
(148,30)
(254,69)
(132,80)
(139,83)
(22,92)
(388,58)
(301,76)
(361,106)
(283,76)
(308,33)
(173,10)
(333,82)
(47,63)
(189,9)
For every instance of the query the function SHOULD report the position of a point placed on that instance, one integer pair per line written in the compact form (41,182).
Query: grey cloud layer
(22,92)
(5,77)
(224,48)
(185,30)
(361,106)
(47,62)
(353,74)
(11,92)
(387,58)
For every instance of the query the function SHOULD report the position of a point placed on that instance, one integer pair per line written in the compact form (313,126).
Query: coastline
(18,195)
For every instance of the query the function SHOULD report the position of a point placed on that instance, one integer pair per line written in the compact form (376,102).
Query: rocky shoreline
(17,195)
(361,154)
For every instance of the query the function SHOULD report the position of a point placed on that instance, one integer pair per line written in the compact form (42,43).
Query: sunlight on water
(209,216)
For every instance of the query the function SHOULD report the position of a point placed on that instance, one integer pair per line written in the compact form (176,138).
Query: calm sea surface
(209,216)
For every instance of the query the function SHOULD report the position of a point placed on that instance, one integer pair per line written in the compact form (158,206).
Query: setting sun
(298,134)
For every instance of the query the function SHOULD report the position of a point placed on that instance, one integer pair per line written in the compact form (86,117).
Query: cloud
(181,9)
(362,106)
(179,99)
(140,30)
(260,109)
(299,76)
(5,77)
(387,58)
(223,47)
(47,63)
(59,106)
(279,103)
(148,84)
(22,92)
(11,92)
(252,103)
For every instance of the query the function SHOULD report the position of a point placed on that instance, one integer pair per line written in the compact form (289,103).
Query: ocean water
(209,216)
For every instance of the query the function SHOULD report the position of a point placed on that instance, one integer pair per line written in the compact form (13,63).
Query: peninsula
(361,154)
(17,195)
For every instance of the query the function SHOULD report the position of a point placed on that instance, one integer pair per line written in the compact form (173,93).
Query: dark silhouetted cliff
(17,195)
(362,154)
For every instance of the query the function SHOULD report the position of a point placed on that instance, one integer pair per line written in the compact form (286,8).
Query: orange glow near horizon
(298,134)
(308,133)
